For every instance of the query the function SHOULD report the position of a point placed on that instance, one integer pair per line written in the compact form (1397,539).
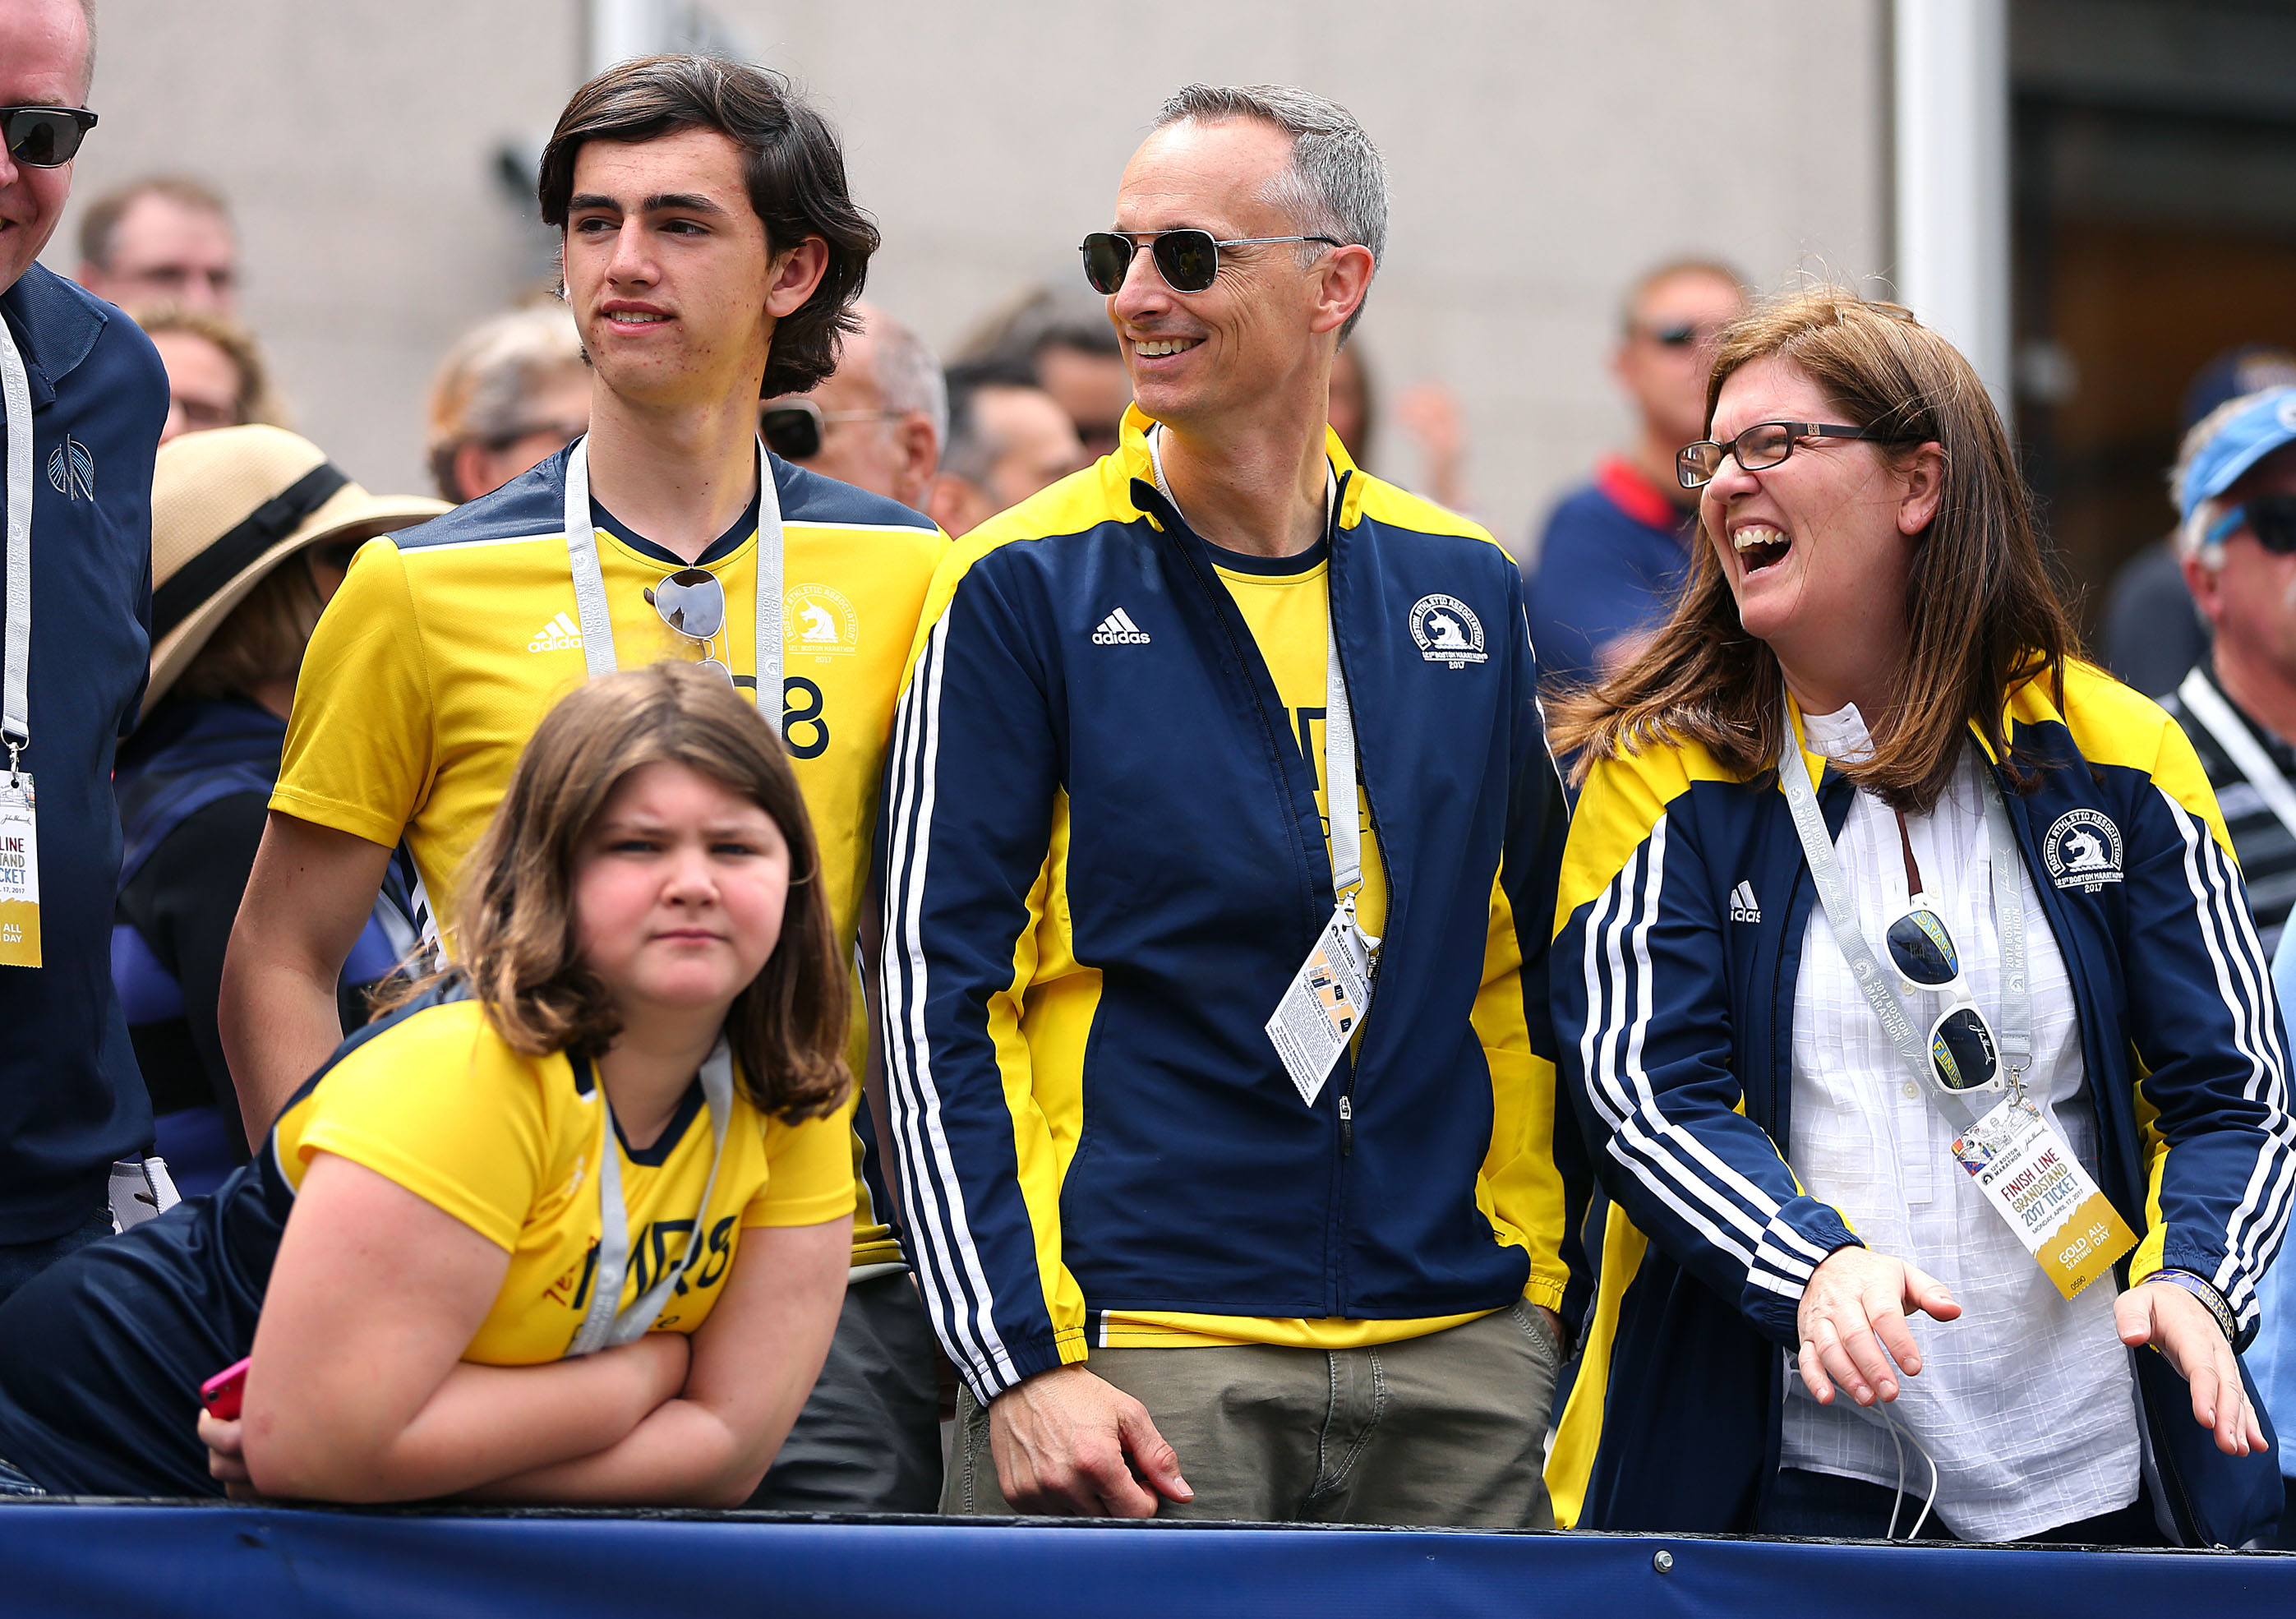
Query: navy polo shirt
(70,1098)
(1613,555)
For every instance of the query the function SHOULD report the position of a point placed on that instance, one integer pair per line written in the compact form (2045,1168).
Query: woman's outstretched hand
(2181,1327)
(1854,1309)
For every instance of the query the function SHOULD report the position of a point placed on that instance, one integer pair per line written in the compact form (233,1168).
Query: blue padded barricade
(249,1562)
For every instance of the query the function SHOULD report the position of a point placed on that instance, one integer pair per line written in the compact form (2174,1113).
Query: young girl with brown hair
(568,1225)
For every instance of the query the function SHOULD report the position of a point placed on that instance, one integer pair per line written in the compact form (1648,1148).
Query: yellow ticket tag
(20,875)
(2028,1172)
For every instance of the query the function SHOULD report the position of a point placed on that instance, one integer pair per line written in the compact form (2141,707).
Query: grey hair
(1337,184)
(908,375)
(2192,531)
(486,385)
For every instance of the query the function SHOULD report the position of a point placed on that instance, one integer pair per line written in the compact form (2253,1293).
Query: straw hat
(229,506)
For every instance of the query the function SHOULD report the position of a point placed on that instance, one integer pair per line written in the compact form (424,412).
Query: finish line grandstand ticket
(2028,1172)
(1325,1003)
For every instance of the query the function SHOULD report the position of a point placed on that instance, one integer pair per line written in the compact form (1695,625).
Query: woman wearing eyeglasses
(1905,1051)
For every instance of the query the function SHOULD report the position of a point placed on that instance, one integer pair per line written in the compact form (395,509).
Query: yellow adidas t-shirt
(509,1146)
(447,644)
(1286,603)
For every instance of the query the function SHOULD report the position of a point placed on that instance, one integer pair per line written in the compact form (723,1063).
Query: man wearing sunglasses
(83,396)
(878,422)
(2236,491)
(1614,549)
(711,254)
(1187,1197)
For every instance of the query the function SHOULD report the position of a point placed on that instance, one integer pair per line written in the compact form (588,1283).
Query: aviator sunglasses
(2271,518)
(44,137)
(1962,1053)
(1187,260)
(792,430)
(1759,448)
(692,603)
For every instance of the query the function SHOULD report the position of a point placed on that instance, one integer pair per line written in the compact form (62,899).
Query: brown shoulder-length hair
(517,942)
(1982,615)
(791,163)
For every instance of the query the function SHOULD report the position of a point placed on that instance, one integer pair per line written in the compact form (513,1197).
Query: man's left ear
(1922,473)
(1343,279)
(795,277)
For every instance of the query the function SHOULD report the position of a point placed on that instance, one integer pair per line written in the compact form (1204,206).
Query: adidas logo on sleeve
(1742,906)
(562,634)
(1118,629)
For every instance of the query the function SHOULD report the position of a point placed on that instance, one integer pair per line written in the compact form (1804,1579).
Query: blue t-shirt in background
(70,1097)
(2271,1358)
(1613,554)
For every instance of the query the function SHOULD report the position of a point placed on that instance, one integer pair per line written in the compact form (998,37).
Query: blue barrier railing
(246,1562)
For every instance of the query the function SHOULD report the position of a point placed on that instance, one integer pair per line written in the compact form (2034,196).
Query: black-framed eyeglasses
(44,137)
(1964,1055)
(792,429)
(1187,260)
(2271,518)
(692,602)
(1759,447)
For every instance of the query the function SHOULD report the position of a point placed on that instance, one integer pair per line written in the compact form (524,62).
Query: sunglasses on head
(692,603)
(44,137)
(1963,1053)
(1187,260)
(2271,518)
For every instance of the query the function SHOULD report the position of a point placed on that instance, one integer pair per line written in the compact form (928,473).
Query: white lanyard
(16,653)
(590,583)
(1340,792)
(603,1327)
(2015,1031)
(2200,699)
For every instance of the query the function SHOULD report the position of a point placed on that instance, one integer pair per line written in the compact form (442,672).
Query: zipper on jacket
(1347,1125)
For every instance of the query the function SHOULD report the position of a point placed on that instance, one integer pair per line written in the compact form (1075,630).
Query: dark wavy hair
(792,163)
(517,944)
(1982,615)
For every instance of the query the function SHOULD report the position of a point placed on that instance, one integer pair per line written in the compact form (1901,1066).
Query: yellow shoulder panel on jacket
(1100,493)
(1400,508)
(2112,724)
(1622,800)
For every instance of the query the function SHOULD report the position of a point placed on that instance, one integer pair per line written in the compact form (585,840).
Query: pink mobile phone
(221,1393)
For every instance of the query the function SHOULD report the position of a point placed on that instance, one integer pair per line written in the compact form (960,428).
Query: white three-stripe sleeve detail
(938,1196)
(2225,929)
(1642,1140)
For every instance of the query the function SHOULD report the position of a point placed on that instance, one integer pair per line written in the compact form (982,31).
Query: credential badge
(819,621)
(2082,849)
(1447,631)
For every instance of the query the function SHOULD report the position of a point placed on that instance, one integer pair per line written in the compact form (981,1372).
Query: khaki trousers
(1447,1430)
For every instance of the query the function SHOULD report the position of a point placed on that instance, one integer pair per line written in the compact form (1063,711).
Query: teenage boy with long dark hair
(712,255)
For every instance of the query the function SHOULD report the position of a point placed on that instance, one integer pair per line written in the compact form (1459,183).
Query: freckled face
(667,266)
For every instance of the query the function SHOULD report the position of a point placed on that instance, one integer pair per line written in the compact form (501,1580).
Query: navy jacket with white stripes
(1103,860)
(1684,902)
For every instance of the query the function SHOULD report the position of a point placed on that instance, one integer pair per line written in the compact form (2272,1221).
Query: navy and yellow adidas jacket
(1674,1010)
(1103,863)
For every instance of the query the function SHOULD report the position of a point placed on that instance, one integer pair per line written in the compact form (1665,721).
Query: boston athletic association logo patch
(1447,631)
(2082,849)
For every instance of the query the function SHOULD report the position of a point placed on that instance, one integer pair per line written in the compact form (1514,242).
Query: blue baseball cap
(2262,425)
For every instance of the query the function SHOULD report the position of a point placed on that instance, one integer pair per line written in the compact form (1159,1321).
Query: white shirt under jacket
(2027,1403)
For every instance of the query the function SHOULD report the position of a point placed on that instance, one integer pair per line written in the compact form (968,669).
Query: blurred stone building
(1541,153)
